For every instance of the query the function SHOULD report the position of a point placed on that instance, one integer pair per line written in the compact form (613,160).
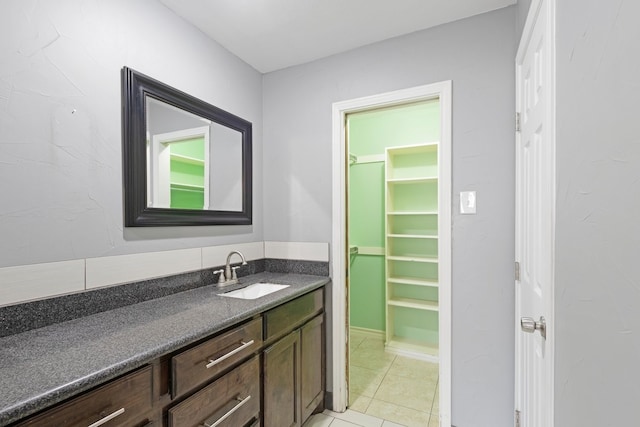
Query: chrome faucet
(228,276)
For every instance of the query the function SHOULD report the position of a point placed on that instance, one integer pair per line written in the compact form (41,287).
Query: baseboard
(372,333)
(413,354)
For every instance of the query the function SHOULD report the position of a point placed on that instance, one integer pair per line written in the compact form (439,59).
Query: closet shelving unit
(411,204)
(189,187)
(182,161)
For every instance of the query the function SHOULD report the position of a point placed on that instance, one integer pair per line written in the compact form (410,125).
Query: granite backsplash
(22,317)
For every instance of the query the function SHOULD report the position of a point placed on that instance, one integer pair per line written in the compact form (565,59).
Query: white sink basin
(254,291)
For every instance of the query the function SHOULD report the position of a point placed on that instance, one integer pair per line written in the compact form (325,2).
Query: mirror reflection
(192,162)
(176,159)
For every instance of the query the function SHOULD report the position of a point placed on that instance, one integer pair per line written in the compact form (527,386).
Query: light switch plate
(468,202)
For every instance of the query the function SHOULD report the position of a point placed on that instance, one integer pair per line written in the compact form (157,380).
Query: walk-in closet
(392,221)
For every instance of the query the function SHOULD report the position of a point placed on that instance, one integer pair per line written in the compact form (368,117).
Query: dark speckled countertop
(41,367)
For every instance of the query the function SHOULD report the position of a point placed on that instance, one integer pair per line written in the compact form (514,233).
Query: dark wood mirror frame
(135,88)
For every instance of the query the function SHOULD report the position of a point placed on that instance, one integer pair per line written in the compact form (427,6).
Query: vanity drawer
(123,402)
(233,400)
(200,364)
(288,316)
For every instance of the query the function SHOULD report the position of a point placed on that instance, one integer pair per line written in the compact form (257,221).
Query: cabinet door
(312,356)
(281,373)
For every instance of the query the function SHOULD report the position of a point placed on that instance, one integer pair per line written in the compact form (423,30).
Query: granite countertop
(41,367)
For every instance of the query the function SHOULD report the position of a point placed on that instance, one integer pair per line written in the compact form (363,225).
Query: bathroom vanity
(190,359)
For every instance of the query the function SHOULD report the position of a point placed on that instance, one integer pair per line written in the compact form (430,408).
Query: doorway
(397,256)
(392,236)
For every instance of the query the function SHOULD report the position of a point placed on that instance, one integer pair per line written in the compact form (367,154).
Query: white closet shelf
(416,148)
(412,281)
(415,180)
(412,213)
(414,236)
(187,186)
(187,159)
(413,259)
(414,303)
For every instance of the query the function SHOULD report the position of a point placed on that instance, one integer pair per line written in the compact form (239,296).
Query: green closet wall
(370,132)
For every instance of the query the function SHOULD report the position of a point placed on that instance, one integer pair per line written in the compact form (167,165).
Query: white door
(535,201)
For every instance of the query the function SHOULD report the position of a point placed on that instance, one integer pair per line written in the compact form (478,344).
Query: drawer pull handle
(228,414)
(244,345)
(107,418)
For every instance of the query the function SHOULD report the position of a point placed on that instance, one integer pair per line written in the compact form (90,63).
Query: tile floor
(385,390)
(349,418)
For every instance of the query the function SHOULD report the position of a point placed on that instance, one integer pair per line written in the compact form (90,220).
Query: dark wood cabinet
(281,382)
(312,365)
(291,315)
(293,367)
(196,366)
(123,402)
(232,400)
(266,371)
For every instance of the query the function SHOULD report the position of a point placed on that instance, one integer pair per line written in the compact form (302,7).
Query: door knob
(528,324)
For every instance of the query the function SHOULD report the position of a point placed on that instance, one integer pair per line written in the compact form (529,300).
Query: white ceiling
(274,34)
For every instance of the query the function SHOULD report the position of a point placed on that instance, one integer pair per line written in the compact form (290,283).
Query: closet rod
(371,158)
(366,250)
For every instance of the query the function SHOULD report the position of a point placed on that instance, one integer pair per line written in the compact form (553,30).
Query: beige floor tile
(355,339)
(354,333)
(356,418)
(404,388)
(398,414)
(318,420)
(435,408)
(359,403)
(434,421)
(377,360)
(412,368)
(363,381)
(341,423)
(352,398)
(407,392)
(372,343)
(391,424)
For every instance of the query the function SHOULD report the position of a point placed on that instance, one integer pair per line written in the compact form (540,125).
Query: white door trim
(443,91)
(547,7)
(160,170)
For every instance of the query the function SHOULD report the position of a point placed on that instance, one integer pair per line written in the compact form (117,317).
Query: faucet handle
(221,279)
(234,275)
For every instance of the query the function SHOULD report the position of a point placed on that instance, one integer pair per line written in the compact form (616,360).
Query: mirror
(186,162)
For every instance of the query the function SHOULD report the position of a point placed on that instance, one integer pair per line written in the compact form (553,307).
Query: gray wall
(478,55)
(598,233)
(164,118)
(523,9)
(60,134)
